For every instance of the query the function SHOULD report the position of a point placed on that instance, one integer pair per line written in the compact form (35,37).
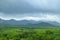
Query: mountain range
(28,22)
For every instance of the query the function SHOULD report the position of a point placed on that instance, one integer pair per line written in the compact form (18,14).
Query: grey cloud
(16,7)
(25,6)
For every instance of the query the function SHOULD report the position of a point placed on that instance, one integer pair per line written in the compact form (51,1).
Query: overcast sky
(30,9)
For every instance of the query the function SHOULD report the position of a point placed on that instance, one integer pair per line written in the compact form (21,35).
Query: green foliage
(22,33)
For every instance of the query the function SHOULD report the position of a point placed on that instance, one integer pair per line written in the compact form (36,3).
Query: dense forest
(25,33)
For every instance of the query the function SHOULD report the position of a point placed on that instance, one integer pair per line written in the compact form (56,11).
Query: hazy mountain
(29,22)
(53,23)
(19,22)
(43,24)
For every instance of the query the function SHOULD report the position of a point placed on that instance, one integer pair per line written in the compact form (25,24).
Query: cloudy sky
(30,9)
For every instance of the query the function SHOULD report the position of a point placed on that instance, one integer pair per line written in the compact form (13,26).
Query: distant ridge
(28,22)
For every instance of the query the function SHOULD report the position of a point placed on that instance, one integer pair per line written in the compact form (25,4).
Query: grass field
(22,33)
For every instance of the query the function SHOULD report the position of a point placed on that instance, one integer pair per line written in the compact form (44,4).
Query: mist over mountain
(28,22)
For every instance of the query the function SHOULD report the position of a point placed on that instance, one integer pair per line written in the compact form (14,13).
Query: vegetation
(25,33)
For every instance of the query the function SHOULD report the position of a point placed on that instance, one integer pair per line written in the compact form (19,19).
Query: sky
(48,10)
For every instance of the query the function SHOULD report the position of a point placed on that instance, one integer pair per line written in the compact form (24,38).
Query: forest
(25,33)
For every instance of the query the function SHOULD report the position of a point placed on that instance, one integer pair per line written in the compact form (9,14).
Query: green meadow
(26,33)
